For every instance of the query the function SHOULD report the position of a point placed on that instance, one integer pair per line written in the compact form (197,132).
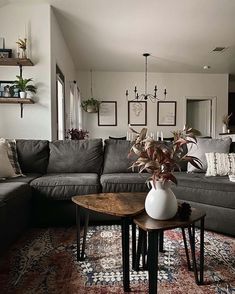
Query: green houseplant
(23,85)
(91,105)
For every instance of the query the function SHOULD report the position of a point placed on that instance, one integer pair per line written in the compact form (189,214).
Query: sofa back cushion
(33,155)
(206,146)
(76,156)
(116,158)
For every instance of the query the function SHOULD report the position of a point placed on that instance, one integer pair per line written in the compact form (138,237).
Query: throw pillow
(206,146)
(12,155)
(220,164)
(6,169)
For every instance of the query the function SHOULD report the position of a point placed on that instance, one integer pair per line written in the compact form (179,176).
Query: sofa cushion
(76,156)
(196,187)
(116,158)
(33,155)
(14,190)
(124,182)
(15,211)
(27,178)
(62,186)
(205,146)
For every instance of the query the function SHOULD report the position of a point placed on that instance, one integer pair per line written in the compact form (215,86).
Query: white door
(199,116)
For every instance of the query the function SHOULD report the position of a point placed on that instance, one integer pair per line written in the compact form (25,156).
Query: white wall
(37,117)
(46,48)
(112,86)
(60,55)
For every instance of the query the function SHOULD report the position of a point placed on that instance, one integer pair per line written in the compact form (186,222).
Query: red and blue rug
(44,261)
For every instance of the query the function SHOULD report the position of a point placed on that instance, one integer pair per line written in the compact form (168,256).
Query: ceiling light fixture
(145,95)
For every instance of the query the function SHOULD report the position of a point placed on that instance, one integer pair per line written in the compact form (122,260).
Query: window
(60,105)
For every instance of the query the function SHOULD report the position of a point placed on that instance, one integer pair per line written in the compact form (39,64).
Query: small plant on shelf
(91,105)
(22,44)
(23,86)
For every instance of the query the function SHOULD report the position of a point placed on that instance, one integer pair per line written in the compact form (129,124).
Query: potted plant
(77,134)
(91,105)
(225,121)
(160,158)
(23,85)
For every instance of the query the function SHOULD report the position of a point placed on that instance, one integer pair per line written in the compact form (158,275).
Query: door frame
(213,100)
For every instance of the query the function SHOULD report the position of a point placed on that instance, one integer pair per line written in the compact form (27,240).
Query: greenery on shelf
(23,85)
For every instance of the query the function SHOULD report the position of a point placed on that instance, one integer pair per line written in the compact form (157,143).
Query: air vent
(218,49)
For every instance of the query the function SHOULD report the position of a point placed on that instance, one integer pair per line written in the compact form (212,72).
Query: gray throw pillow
(206,146)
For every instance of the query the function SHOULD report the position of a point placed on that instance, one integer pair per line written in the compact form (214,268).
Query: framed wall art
(137,113)
(166,113)
(107,113)
(7,90)
(5,53)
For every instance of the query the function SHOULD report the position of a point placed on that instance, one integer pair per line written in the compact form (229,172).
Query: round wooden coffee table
(123,205)
(155,229)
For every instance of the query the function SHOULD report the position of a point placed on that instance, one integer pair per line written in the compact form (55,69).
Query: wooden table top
(116,204)
(147,223)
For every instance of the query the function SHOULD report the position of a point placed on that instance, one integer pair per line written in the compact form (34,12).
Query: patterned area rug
(44,261)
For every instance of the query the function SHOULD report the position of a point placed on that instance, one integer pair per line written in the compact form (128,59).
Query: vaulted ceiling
(111,35)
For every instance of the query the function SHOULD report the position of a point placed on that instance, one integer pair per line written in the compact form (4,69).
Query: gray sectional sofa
(56,171)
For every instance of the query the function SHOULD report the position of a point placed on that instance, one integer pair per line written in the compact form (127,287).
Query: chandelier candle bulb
(161,136)
(157,136)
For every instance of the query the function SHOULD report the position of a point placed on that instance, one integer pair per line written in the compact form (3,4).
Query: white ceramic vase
(161,202)
(224,128)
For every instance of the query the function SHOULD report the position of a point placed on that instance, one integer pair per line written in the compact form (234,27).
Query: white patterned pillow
(12,155)
(6,169)
(220,164)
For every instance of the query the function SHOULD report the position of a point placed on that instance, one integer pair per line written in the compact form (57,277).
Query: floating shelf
(17,100)
(20,101)
(16,62)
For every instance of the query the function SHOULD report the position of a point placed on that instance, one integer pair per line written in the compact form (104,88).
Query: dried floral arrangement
(226,119)
(77,134)
(160,158)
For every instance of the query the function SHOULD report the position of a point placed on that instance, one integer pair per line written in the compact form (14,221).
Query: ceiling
(111,35)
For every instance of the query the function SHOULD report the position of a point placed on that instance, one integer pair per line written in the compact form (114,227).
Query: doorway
(200,114)
(60,104)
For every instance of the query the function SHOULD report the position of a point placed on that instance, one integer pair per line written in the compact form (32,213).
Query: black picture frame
(137,113)
(166,113)
(7,90)
(107,113)
(5,53)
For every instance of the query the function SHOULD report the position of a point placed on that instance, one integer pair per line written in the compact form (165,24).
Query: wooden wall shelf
(16,100)
(15,62)
(20,101)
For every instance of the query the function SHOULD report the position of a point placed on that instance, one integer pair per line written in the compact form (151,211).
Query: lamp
(145,95)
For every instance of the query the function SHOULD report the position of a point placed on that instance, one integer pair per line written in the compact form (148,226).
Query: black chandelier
(145,95)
